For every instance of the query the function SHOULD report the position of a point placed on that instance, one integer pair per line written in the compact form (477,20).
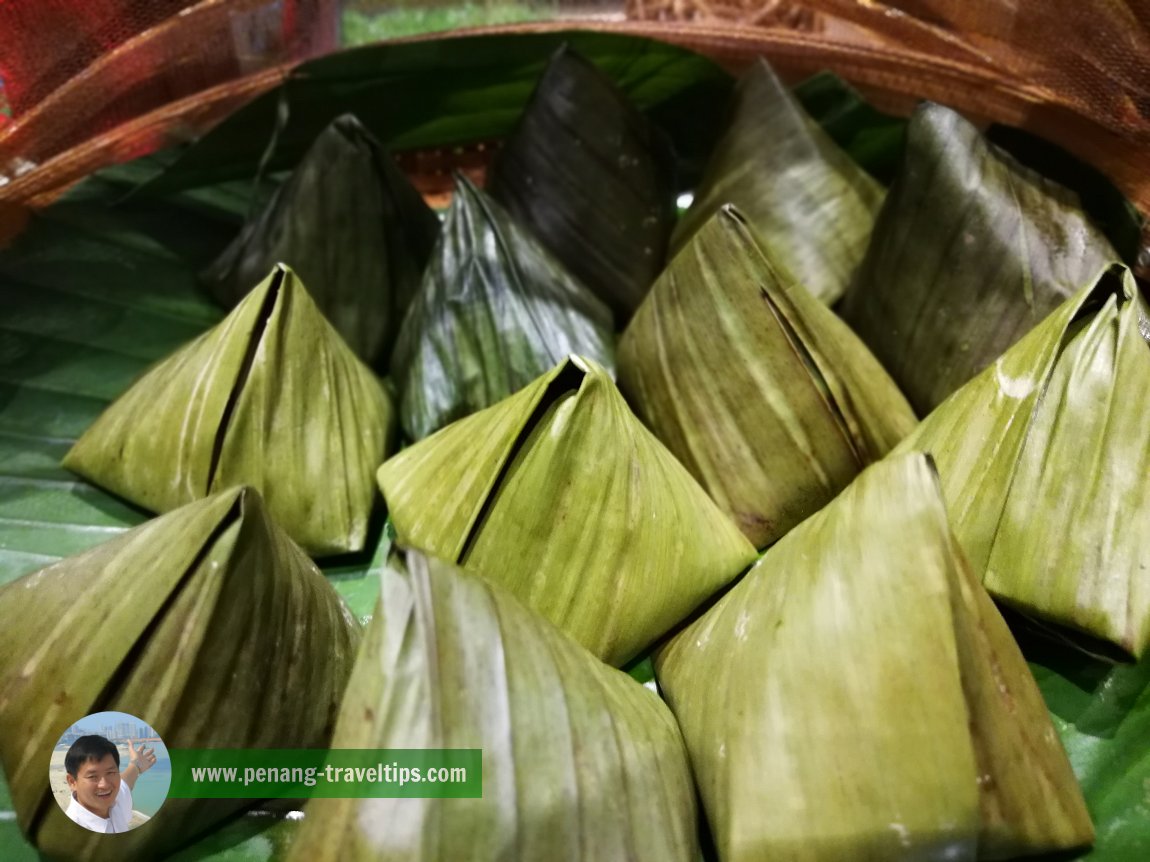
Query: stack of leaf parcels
(271,397)
(769,399)
(580,762)
(809,202)
(349,222)
(970,252)
(1044,459)
(593,178)
(560,495)
(209,621)
(495,311)
(857,696)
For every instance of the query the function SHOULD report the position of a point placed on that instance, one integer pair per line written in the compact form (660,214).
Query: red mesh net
(1075,73)
(1093,55)
(73,70)
(57,39)
(92,81)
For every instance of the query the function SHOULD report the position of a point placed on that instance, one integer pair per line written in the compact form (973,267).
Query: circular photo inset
(110,772)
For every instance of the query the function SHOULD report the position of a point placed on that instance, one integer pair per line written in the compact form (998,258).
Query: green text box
(320,773)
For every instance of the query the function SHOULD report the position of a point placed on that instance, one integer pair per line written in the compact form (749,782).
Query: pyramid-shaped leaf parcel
(580,762)
(858,696)
(771,402)
(271,397)
(804,196)
(970,251)
(593,178)
(1044,459)
(560,495)
(207,622)
(353,227)
(494,312)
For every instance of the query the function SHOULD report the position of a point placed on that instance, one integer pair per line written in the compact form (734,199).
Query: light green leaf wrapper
(208,621)
(560,495)
(580,762)
(770,401)
(857,696)
(271,397)
(1044,458)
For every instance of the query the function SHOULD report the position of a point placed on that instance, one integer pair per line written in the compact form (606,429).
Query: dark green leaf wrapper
(94,292)
(873,140)
(810,203)
(353,227)
(495,311)
(593,179)
(427,94)
(970,251)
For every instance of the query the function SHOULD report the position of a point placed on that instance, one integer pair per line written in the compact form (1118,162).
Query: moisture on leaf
(494,312)
(208,621)
(560,495)
(970,252)
(353,227)
(810,203)
(770,401)
(580,762)
(593,178)
(858,696)
(1044,459)
(271,397)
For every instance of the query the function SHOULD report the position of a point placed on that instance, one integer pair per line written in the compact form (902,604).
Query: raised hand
(143,758)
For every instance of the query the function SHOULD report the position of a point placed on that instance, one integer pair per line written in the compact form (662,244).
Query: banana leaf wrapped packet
(208,622)
(494,312)
(770,401)
(353,227)
(561,496)
(580,762)
(970,251)
(1044,458)
(593,178)
(858,696)
(271,397)
(811,204)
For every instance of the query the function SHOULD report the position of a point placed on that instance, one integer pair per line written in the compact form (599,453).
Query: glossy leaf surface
(810,203)
(495,310)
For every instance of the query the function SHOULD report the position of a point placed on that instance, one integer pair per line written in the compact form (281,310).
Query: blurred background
(84,83)
(58,39)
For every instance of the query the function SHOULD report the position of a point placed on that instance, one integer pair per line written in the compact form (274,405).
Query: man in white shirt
(101,794)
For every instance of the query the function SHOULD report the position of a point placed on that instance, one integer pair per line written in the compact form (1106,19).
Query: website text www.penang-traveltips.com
(309,776)
(339,773)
